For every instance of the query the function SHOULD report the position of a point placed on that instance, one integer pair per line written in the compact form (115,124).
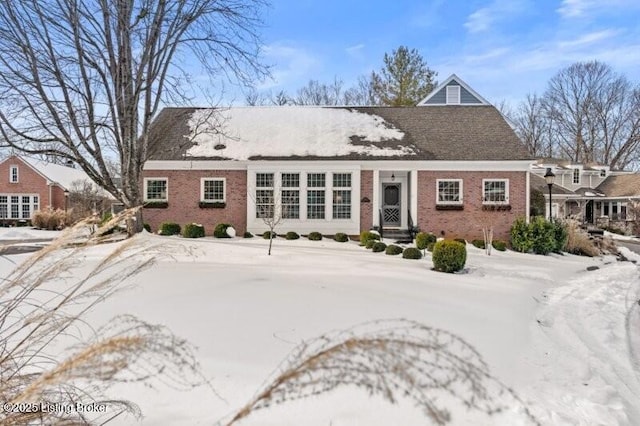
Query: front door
(391,204)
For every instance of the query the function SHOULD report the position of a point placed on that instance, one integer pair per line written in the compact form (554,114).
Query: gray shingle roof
(474,133)
(627,185)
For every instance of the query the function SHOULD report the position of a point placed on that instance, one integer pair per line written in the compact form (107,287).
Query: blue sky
(503,48)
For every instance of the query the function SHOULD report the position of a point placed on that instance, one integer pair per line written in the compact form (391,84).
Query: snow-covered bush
(423,239)
(449,256)
(378,246)
(412,253)
(231,232)
(247,234)
(393,250)
(341,237)
(193,230)
(169,228)
(220,231)
(315,236)
(268,235)
(366,236)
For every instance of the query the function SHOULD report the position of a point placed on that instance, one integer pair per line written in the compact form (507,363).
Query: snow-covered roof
(62,175)
(242,133)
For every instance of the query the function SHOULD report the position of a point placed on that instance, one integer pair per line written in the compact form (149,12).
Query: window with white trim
(449,191)
(155,189)
(576,176)
(212,190)
(13,174)
(495,191)
(342,195)
(290,195)
(453,95)
(316,195)
(264,196)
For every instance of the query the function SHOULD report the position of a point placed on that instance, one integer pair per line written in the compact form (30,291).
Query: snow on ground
(26,233)
(317,131)
(548,328)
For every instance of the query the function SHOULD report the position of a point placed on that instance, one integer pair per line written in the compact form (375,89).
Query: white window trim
(453,98)
(448,203)
(506,191)
(11,169)
(573,171)
(224,189)
(146,181)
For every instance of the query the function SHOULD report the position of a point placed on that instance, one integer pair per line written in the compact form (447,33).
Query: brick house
(450,165)
(28,185)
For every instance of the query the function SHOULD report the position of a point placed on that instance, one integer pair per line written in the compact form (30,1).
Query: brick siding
(29,182)
(468,223)
(184,197)
(366,191)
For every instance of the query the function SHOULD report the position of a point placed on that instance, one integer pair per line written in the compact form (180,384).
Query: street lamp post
(66,200)
(549,177)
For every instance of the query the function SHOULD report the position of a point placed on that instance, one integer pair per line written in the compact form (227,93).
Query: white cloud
(290,64)
(576,9)
(588,39)
(486,17)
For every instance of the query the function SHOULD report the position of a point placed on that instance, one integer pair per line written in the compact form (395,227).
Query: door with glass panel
(391,205)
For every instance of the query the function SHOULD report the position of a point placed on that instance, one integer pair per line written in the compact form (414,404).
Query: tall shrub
(449,256)
(543,236)
(520,236)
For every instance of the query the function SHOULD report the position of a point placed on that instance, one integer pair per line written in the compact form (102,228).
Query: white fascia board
(496,165)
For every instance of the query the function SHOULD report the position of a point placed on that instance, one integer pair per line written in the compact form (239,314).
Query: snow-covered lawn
(555,333)
(26,233)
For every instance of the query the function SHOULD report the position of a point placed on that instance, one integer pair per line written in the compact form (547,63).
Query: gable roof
(54,173)
(472,133)
(623,185)
(468,96)
(537,182)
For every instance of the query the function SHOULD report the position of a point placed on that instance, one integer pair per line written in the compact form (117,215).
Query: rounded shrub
(499,245)
(292,235)
(170,228)
(147,227)
(370,243)
(423,239)
(412,253)
(520,236)
(220,231)
(430,247)
(449,256)
(315,236)
(247,234)
(478,243)
(193,230)
(393,250)
(461,241)
(341,237)
(267,235)
(366,236)
(378,246)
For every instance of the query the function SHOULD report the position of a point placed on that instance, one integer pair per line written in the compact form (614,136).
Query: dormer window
(13,174)
(453,95)
(576,176)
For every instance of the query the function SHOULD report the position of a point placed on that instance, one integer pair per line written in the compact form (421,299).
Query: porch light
(549,177)
(66,200)
(393,176)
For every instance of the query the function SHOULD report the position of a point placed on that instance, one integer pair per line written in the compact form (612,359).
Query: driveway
(631,245)
(9,247)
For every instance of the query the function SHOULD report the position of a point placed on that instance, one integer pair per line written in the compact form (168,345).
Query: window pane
(156,189)
(342,204)
(449,191)
(213,190)
(290,180)
(495,191)
(315,204)
(291,204)
(264,203)
(316,180)
(264,180)
(342,180)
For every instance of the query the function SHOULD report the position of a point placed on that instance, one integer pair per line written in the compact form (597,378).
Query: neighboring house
(451,165)
(591,193)
(27,185)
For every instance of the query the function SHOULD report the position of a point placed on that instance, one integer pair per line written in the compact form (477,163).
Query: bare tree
(316,93)
(362,93)
(82,79)
(594,113)
(532,126)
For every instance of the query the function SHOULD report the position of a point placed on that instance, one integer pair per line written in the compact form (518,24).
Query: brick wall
(184,197)
(29,182)
(468,223)
(366,191)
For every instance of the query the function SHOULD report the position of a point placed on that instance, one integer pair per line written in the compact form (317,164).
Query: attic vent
(453,95)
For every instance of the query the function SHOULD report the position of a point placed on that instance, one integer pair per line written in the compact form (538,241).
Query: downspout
(527,197)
